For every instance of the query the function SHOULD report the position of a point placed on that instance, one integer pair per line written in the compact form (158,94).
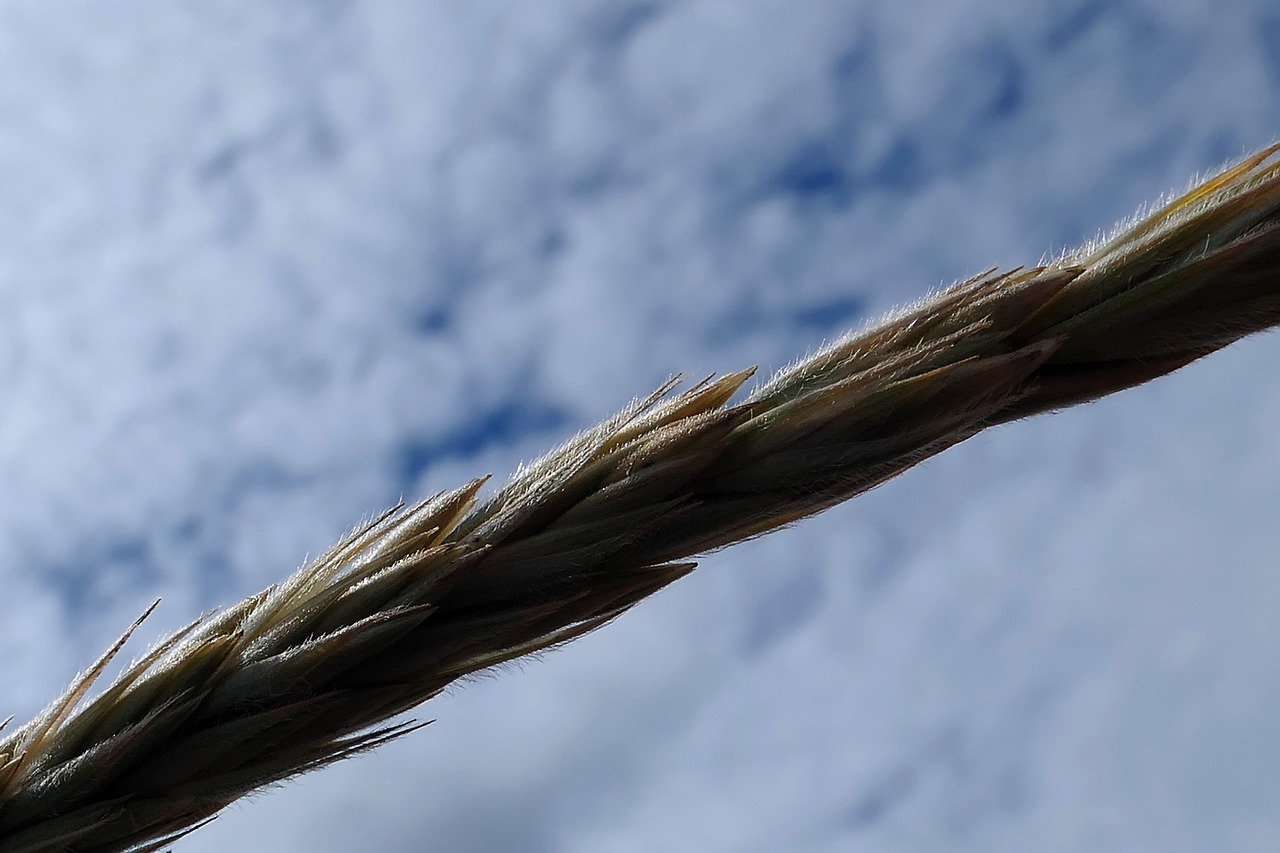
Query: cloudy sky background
(266,268)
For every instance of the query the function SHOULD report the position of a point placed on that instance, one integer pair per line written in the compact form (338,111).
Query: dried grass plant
(309,671)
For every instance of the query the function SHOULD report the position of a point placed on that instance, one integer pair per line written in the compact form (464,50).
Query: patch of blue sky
(508,422)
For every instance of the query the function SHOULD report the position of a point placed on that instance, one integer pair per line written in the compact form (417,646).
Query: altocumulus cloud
(267,268)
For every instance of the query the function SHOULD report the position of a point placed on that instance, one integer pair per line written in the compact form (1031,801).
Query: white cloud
(265,268)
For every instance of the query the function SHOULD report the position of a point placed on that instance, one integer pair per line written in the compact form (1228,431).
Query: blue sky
(266,268)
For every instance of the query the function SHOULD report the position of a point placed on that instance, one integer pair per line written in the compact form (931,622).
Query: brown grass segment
(308,672)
